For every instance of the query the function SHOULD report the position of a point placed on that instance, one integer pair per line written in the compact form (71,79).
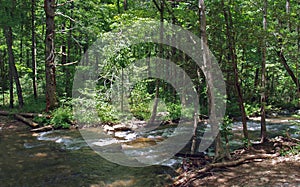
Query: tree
(51,98)
(9,7)
(219,151)
(233,58)
(33,50)
(263,133)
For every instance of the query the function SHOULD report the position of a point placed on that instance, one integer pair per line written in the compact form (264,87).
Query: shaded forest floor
(277,171)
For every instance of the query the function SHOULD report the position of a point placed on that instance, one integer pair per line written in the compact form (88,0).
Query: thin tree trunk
(13,69)
(263,133)
(51,99)
(11,85)
(2,74)
(33,51)
(232,57)
(219,152)
(288,69)
(125,5)
(68,88)
(298,57)
(155,105)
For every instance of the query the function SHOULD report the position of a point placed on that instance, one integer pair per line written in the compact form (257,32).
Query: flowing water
(62,158)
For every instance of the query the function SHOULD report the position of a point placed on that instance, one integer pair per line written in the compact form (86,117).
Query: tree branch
(185,178)
(157,6)
(67,64)
(63,4)
(61,14)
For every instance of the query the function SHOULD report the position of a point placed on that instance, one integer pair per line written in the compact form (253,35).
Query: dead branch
(43,129)
(185,178)
(63,4)
(32,115)
(65,16)
(67,64)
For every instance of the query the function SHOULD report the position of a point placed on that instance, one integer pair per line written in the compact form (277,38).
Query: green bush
(42,121)
(62,117)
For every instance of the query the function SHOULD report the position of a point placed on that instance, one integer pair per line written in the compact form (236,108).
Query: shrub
(62,117)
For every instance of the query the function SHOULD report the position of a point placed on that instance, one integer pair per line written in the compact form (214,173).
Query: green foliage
(295,150)
(62,117)
(226,127)
(251,109)
(106,112)
(42,121)
(140,100)
(174,110)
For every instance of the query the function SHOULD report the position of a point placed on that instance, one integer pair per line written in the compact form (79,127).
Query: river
(62,158)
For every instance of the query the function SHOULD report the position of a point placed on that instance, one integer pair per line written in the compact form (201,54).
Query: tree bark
(11,59)
(125,5)
(51,99)
(68,89)
(263,133)
(232,57)
(33,50)
(157,83)
(209,79)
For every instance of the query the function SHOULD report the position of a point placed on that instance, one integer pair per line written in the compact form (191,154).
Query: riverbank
(280,167)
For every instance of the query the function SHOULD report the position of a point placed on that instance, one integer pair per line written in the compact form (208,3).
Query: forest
(123,66)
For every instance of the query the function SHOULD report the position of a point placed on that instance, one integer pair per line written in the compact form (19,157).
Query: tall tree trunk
(156,99)
(51,99)
(219,151)
(13,69)
(298,57)
(263,133)
(33,50)
(233,58)
(68,88)
(125,5)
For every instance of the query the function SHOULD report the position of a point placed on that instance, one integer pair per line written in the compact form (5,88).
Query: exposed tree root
(187,177)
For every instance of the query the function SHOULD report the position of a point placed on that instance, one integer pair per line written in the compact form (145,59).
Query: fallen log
(32,115)
(185,178)
(5,113)
(27,121)
(43,129)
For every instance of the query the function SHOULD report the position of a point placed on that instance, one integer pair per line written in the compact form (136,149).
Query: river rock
(108,128)
(139,143)
(285,112)
(121,127)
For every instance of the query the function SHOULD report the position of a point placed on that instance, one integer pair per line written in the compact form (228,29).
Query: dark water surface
(63,159)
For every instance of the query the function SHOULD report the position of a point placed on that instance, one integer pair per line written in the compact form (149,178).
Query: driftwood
(27,121)
(43,129)
(185,178)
